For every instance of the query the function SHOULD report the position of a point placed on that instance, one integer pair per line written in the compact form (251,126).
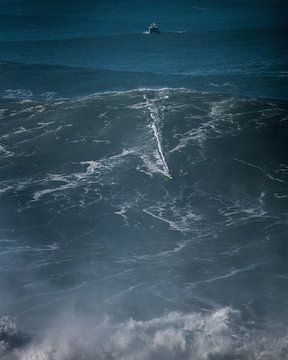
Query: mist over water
(144,181)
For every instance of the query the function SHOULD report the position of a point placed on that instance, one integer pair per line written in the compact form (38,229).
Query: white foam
(7,188)
(227,275)
(217,123)
(177,222)
(6,152)
(265,173)
(18,94)
(38,194)
(178,248)
(277,196)
(2,113)
(174,335)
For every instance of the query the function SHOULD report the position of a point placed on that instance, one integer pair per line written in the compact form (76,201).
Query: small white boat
(154,28)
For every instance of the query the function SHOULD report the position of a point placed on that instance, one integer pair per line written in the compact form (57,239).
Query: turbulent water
(144,181)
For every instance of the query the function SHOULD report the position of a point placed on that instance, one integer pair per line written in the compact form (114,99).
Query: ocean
(143,180)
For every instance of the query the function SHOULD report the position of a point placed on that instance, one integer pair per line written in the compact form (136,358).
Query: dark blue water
(144,180)
(231,47)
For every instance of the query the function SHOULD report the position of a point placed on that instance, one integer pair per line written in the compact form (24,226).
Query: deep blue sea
(143,180)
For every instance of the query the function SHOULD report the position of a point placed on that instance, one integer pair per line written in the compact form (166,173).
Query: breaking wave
(176,335)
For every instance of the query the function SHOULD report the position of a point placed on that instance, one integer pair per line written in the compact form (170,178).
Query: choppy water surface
(143,180)
(144,224)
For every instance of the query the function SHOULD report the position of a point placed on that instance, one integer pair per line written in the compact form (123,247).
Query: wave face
(146,224)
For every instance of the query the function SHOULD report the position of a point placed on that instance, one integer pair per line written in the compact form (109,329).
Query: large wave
(144,224)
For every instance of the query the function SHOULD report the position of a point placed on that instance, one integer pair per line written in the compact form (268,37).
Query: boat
(154,28)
